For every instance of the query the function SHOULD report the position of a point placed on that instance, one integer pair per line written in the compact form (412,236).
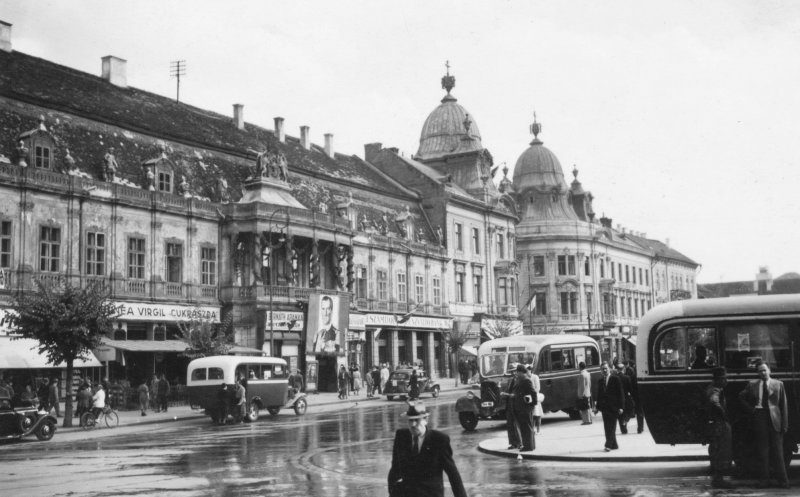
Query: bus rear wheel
(274,410)
(468,420)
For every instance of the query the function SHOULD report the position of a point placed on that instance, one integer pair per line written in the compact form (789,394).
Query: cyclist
(98,401)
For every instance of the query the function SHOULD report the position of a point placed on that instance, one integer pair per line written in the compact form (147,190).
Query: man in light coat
(765,399)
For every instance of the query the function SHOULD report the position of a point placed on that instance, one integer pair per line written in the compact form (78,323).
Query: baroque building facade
(578,274)
(185,213)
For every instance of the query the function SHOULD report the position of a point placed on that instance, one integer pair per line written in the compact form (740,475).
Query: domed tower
(450,142)
(541,191)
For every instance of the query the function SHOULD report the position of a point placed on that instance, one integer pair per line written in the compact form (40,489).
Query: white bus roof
(538,341)
(232,360)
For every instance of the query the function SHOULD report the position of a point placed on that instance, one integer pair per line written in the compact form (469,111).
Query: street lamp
(266,262)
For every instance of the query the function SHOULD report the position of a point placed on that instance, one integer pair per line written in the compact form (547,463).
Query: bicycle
(107,415)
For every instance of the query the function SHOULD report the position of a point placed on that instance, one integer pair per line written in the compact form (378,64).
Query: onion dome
(449,129)
(538,167)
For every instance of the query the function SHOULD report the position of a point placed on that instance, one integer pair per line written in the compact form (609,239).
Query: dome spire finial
(448,82)
(535,128)
(575,171)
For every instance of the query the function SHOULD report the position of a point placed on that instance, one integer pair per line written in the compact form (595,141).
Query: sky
(680,116)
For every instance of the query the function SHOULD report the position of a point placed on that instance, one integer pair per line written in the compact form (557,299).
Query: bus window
(493,364)
(567,359)
(702,348)
(199,374)
(671,347)
(556,360)
(746,344)
(215,374)
(590,357)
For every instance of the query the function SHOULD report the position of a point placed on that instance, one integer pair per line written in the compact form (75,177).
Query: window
(49,249)
(437,291)
(693,348)
(647,277)
(608,306)
(587,267)
(41,157)
(602,268)
(95,253)
(566,265)
(460,277)
(630,312)
(208,265)
(540,304)
(569,303)
(501,246)
(459,236)
(538,265)
(174,262)
(627,274)
(165,182)
(562,359)
(619,267)
(641,280)
(5,244)
(361,282)
(745,343)
(136,248)
(502,298)
(477,288)
(419,289)
(588,303)
(402,287)
(382,282)
(476,241)
(613,273)
(633,270)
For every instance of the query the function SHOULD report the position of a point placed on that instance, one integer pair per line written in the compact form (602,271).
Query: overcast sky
(680,116)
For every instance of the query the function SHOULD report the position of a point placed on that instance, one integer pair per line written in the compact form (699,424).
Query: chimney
(329,144)
(279,133)
(371,151)
(304,137)
(114,71)
(5,36)
(238,115)
(666,242)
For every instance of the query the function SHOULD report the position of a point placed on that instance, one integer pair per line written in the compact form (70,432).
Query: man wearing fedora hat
(525,398)
(419,457)
(719,450)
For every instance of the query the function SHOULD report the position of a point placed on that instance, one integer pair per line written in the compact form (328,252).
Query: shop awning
(24,353)
(631,340)
(147,345)
(470,350)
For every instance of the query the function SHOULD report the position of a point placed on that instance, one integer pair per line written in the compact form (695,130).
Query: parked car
(397,385)
(19,419)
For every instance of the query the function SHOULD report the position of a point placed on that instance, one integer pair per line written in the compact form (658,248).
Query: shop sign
(104,353)
(138,311)
(358,321)
(413,321)
(285,321)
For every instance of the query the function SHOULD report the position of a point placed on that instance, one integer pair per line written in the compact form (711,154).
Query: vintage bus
(554,358)
(679,343)
(267,384)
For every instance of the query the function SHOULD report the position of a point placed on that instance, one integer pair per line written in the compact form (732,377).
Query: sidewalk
(328,401)
(571,441)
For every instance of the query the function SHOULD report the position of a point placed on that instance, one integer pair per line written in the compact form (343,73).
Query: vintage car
(18,420)
(397,385)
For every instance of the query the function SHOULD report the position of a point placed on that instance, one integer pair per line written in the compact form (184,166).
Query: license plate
(487,404)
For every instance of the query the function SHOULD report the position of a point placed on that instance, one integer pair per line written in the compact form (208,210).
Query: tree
(206,338)
(500,327)
(67,321)
(455,339)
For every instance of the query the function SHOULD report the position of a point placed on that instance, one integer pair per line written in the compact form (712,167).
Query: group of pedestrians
(617,401)
(467,368)
(764,400)
(350,381)
(523,409)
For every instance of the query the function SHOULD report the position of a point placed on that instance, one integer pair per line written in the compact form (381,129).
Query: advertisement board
(328,319)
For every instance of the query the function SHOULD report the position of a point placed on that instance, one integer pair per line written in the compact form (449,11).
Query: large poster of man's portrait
(327,325)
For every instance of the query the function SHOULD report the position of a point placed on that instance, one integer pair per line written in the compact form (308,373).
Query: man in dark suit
(627,389)
(511,421)
(524,398)
(765,399)
(326,340)
(610,402)
(419,457)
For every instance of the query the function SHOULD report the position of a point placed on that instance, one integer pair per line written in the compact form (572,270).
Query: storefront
(418,341)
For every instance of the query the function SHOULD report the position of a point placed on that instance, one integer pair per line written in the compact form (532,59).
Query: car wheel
(468,420)
(26,422)
(300,407)
(274,410)
(46,430)
(435,391)
(390,397)
(252,414)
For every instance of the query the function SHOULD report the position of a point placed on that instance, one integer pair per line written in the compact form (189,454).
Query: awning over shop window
(24,354)
(171,346)
(631,340)
(469,350)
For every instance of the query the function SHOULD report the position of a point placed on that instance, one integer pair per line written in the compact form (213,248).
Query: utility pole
(177,68)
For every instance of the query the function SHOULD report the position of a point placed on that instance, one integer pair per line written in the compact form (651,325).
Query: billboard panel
(328,319)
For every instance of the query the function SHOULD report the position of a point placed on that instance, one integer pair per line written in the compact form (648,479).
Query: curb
(533,457)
